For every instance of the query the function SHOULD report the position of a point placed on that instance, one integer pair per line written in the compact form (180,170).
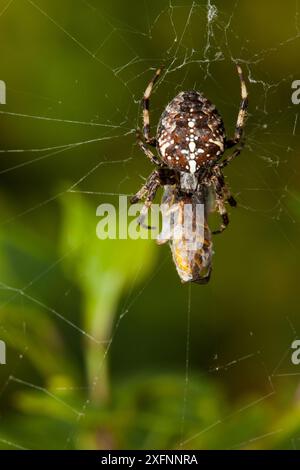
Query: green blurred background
(105,348)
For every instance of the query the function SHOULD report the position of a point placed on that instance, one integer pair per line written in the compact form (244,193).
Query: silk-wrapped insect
(185,227)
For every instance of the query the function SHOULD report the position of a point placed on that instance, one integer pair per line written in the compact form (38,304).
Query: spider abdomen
(190,133)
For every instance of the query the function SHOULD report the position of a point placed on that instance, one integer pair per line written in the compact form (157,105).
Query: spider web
(198,44)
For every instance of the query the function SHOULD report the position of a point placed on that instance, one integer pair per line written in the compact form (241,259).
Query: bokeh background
(106,349)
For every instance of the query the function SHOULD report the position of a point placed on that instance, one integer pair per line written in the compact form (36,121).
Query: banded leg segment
(146,105)
(223,195)
(241,119)
(153,158)
(160,177)
(147,191)
(232,156)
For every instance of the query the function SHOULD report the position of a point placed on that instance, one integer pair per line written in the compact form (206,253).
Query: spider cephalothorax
(190,141)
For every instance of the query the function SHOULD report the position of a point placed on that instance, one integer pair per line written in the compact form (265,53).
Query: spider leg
(146,103)
(147,191)
(223,213)
(222,186)
(241,119)
(153,158)
(230,157)
(160,177)
(228,197)
(222,195)
(231,201)
(152,181)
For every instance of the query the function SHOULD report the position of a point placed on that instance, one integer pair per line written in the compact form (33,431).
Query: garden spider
(190,142)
